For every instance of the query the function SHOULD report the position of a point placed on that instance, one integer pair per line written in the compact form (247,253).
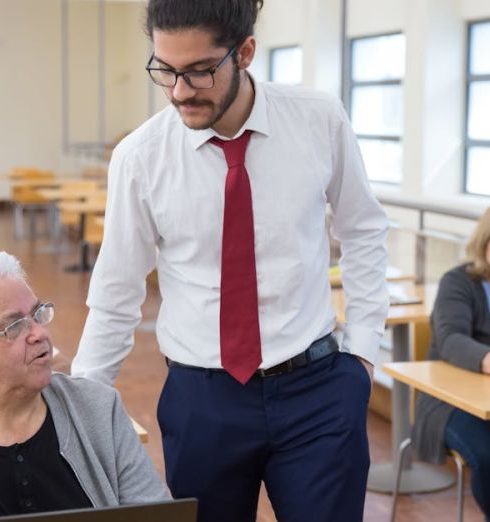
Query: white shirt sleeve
(118,283)
(360,224)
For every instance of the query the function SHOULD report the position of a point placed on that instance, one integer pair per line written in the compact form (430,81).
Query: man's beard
(220,109)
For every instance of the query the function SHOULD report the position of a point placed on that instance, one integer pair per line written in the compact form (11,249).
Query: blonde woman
(461,336)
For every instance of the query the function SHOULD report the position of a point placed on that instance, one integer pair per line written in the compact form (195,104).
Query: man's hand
(370,368)
(485,364)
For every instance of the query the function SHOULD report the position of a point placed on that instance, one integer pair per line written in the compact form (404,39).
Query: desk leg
(56,244)
(417,477)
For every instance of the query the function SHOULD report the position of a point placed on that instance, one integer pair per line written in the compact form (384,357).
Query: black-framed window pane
(382,159)
(477,137)
(377,110)
(286,65)
(378,58)
(480,53)
(479,110)
(375,103)
(478,171)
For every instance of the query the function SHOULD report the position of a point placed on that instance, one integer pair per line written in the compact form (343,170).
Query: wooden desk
(47,183)
(66,193)
(468,391)
(416,477)
(142,433)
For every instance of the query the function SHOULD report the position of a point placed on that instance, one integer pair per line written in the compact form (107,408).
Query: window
(375,103)
(286,65)
(477,139)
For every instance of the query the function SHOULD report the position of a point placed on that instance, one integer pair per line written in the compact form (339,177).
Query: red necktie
(239,313)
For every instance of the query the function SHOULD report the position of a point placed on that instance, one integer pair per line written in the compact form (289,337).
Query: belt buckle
(268,373)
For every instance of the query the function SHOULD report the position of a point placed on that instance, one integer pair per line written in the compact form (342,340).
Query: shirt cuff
(361,341)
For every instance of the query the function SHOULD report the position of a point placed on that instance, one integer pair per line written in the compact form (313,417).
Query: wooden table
(417,477)
(65,193)
(142,433)
(468,391)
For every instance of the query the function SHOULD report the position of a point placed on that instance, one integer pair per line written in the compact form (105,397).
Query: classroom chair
(460,465)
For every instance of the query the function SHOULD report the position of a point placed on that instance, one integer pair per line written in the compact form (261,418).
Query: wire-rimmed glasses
(42,315)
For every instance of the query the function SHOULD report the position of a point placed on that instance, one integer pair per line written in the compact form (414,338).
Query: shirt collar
(258,120)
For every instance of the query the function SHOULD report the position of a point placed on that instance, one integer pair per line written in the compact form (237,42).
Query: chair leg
(398,475)
(460,463)
(32,222)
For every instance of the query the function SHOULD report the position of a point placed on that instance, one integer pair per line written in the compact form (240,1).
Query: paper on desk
(399,296)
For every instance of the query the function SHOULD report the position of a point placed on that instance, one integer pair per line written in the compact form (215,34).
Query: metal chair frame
(460,464)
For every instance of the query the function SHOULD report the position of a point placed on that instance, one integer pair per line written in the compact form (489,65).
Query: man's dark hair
(231,21)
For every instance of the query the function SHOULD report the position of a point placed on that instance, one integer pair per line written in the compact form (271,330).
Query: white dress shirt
(165,209)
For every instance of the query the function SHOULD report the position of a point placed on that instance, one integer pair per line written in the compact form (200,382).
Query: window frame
(352,84)
(272,50)
(470,79)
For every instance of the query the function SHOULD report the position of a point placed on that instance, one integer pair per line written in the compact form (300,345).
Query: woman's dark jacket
(460,323)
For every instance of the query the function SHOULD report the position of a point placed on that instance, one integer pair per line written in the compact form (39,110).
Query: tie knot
(234,149)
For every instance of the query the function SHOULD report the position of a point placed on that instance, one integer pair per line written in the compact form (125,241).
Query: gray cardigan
(98,441)
(460,324)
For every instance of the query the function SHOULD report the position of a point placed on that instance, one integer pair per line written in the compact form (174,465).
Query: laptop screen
(182,510)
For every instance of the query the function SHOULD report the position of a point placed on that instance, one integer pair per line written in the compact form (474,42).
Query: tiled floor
(144,372)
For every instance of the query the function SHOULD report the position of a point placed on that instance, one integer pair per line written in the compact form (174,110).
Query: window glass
(383,160)
(480,48)
(376,103)
(377,110)
(478,171)
(477,138)
(286,65)
(479,111)
(378,58)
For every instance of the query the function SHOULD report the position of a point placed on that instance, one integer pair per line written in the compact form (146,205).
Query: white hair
(10,267)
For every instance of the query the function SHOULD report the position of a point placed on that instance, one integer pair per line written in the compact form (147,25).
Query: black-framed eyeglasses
(42,315)
(195,79)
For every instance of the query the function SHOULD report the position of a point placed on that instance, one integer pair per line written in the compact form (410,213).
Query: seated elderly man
(65,442)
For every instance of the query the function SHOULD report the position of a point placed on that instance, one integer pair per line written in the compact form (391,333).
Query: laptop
(181,510)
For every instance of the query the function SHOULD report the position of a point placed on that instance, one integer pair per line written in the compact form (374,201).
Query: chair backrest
(421,341)
(94,230)
(31,173)
(23,191)
(84,185)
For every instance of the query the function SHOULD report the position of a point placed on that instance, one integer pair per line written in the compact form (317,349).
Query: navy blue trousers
(302,433)
(470,437)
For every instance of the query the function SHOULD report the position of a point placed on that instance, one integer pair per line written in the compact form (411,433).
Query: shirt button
(28,502)
(25,482)
(20,458)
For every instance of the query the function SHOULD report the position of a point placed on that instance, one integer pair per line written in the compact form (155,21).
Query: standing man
(225,191)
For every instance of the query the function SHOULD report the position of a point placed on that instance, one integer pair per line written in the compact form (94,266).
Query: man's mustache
(192,103)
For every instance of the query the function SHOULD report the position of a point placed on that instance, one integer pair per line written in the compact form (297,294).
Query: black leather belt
(317,350)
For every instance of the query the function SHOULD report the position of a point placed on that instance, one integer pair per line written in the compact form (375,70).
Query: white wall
(313,24)
(30,83)
(31,78)
(83,70)
(30,93)
(375,16)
